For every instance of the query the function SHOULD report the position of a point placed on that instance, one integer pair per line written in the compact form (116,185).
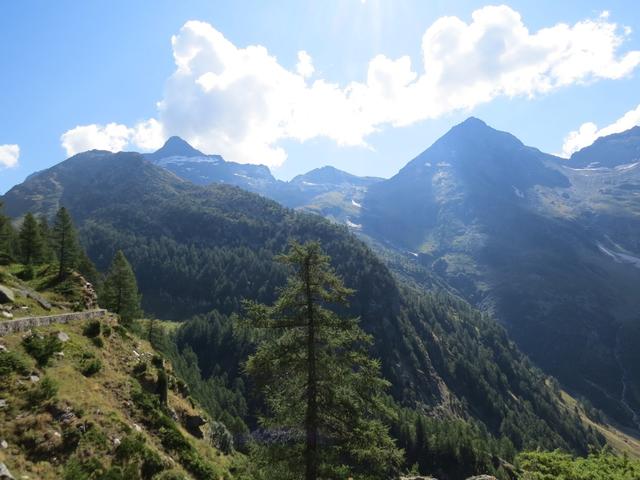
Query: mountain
(610,151)
(198,249)
(186,162)
(327,191)
(550,250)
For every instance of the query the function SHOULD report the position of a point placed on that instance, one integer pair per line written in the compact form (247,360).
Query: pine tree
(323,393)
(45,234)
(65,241)
(119,292)
(8,238)
(31,244)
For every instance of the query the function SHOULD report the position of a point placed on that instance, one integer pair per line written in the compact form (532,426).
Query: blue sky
(91,64)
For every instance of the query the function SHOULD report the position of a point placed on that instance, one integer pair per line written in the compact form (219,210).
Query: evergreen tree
(119,292)
(87,268)
(8,237)
(162,386)
(65,241)
(31,243)
(45,234)
(323,393)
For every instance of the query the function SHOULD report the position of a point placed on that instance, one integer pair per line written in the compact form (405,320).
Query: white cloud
(241,102)
(9,155)
(589,132)
(114,137)
(304,67)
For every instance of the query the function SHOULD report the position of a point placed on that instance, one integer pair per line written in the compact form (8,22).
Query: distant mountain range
(549,246)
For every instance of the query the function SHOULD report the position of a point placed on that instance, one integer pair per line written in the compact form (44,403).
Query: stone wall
(25,323)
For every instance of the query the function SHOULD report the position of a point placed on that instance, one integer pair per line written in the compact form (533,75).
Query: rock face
(6,295)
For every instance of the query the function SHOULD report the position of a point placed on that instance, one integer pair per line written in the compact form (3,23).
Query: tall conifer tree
(65,241)
(31,244)
(120,290)
(323,393)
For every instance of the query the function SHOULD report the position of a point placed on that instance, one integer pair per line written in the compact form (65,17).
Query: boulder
(63,337)
(6,295)
(7,315)
(192,423)
(5,474)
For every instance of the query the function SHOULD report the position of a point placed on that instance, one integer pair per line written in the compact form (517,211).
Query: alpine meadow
(310,241)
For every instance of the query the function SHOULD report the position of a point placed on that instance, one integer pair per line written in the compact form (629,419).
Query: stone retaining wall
(25,323)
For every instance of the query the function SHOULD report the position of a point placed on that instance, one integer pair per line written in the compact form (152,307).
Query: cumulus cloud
(589,132)
(9,155)
(114,137)
(242,102)
(304,67)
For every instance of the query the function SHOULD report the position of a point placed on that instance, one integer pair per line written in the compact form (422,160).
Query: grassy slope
(103,400)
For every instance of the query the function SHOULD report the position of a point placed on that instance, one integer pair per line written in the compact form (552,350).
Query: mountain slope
(531,240)
(79,400)
(197,249)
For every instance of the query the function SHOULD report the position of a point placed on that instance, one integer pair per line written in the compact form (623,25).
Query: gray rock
(63,337)
(4,444)
(34,378)
(3,403)
(6,295)
(7,315)
(3,348)
(5,474)
(482,477)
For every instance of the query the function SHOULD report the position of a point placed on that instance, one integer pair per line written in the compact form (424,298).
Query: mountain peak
(175,147)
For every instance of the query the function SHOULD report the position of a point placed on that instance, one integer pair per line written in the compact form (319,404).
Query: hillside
(197,249)
(78,401)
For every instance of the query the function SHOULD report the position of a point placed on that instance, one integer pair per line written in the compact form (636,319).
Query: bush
(42,348)
(140,368)
(157,361)
(92,329)
(98,342)
(221,438)
(9,363)
(42,392)
(106,331)
(90,367)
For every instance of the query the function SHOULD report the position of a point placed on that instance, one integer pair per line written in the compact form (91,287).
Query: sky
(363,85)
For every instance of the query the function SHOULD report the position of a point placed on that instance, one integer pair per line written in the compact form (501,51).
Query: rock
(193,423)
(418,478)
(5,474)
(3,403)
(137,427)
(4,444)
(116,441)
(3,348)
(6,295)
(63,337)
(34,378)
(58,354)
(482,477)
(7,315)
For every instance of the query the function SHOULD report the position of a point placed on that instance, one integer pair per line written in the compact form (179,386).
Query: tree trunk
(311,420)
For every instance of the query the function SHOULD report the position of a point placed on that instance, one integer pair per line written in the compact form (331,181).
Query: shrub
(42,348)
(92,329)
(140,368)
(90,367)
(42,392)
(221,438)
(98,342)
(106,331)
(9,363)
(157,361)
